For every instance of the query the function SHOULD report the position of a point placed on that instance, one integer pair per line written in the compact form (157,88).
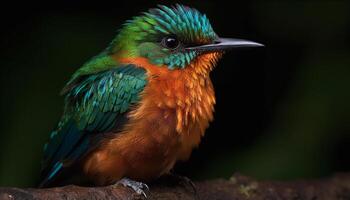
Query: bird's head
(173,37)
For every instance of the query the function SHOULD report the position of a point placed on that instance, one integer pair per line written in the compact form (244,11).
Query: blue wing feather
(95,105)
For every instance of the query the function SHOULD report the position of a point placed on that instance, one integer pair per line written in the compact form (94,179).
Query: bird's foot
(182,180)
(138,187)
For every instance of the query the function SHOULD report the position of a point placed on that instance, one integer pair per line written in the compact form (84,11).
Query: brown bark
(237,188)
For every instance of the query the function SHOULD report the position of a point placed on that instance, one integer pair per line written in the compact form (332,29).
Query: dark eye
(170,42)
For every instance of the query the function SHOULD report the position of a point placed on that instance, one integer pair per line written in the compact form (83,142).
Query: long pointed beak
(226,44)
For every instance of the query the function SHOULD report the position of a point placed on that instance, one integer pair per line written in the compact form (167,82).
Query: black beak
(225,44)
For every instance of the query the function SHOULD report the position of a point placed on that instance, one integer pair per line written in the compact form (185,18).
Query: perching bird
(139,106)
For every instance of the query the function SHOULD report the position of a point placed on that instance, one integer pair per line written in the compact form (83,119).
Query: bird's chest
(174,113)
(185,99)
(168,124)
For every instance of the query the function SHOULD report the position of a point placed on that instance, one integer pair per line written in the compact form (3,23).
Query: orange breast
(175,110)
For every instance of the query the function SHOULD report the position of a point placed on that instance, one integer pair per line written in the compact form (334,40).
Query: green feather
(94,103)
(189,26)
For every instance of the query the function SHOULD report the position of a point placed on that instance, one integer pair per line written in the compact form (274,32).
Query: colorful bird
(141,105)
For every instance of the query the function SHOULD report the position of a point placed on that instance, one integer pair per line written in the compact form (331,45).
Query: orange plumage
(175,109)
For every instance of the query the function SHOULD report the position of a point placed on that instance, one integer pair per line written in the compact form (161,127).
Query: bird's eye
(170,42)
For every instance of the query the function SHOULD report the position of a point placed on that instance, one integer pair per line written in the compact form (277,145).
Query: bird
(139,106)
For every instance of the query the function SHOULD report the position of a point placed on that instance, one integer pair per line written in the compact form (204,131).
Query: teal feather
(56,168)
(93,106)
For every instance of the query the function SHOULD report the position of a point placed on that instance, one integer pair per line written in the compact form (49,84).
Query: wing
(95,104)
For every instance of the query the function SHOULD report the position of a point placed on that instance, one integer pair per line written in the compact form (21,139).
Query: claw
(184,181)
(138,187)
(190,182)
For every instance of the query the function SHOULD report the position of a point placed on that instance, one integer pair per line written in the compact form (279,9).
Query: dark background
(282,111)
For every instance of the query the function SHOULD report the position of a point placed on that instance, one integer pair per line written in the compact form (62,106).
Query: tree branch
(237,188)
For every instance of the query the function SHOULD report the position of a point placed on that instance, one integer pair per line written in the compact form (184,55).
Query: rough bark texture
(237,188)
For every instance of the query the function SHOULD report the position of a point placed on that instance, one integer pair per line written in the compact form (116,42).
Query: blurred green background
(282,112)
